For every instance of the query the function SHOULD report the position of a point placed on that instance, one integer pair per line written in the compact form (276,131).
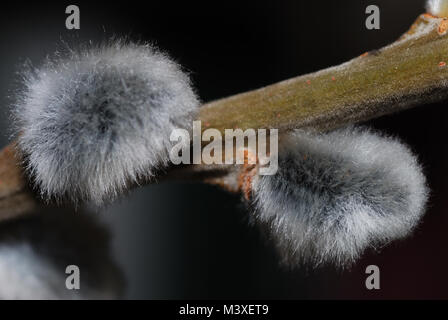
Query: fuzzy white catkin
(437,8)
(337,194)
(95,121)
(25,275)
(35,252)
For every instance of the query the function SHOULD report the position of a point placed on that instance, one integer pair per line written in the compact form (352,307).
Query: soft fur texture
(437,8)
(25,275)
(35,251)
(337,194)
(95,121)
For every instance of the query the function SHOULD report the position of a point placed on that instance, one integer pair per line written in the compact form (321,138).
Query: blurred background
(180,241)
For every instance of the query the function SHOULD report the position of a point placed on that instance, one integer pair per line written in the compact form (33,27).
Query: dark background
(194,241)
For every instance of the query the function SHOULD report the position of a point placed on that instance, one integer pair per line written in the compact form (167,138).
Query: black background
(193,241)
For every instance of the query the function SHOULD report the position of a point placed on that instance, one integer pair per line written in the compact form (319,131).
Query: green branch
(405,74)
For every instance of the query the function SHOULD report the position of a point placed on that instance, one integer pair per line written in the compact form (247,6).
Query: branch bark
(15,197)
(407,73)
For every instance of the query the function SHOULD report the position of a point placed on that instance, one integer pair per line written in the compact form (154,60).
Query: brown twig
(15,198)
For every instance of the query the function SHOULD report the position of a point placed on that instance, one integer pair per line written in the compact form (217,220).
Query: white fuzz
(35,252)
(438,8)
(339,193)
(27,275)
(94,122)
